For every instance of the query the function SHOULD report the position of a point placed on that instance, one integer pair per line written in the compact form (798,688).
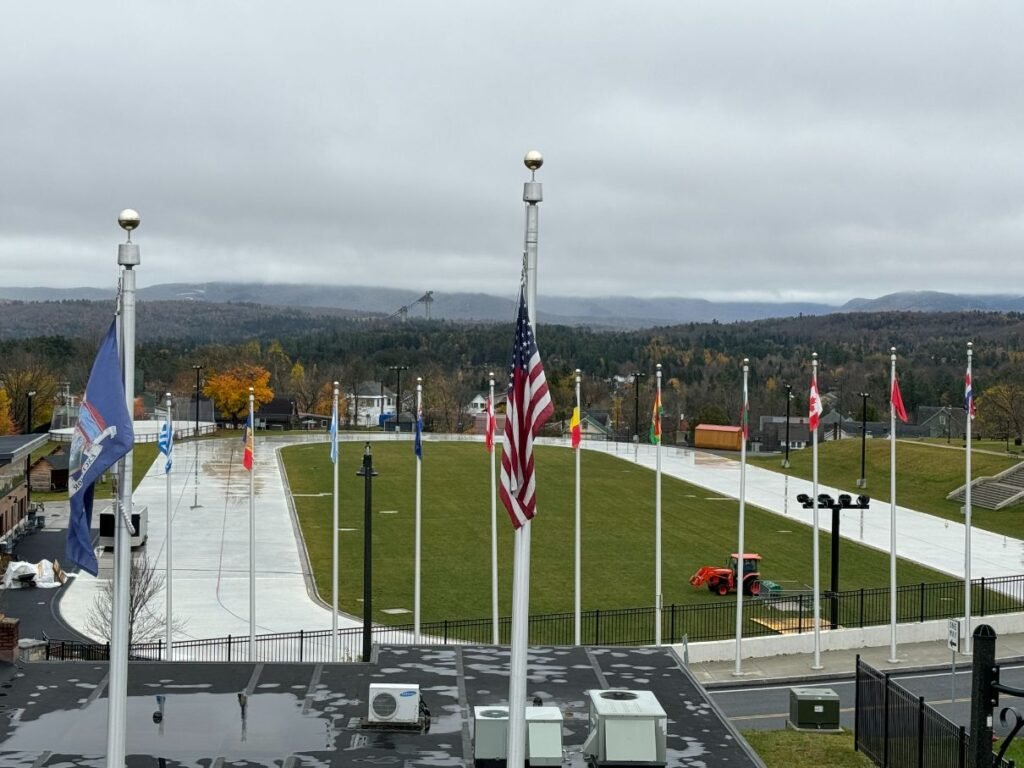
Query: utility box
(108,526)
(626,728)
(814,709)
(490,736)
(544,736)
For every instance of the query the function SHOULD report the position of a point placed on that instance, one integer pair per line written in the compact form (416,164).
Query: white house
(370,400)
(478,404)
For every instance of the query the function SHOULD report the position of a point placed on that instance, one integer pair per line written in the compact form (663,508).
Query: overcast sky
(720,150)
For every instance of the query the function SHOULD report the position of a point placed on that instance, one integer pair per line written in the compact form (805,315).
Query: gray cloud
(748,150)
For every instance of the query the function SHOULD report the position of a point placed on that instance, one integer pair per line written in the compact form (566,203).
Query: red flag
(491,426)
(529,406)
(896,401)
(574,425)
(249,443)
(815,406)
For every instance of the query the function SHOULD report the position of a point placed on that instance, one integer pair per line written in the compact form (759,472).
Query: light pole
(367,472)
(637,375)
(839,408)
(28,459)
(845,501)
(398,400)
(789,401)
(863,482)
(197,369)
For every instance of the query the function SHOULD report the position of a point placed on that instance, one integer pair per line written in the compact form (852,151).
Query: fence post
(160,648)
(962,752)
(862,607)
(982,595)
(921,591)
(983,698)
(885,724)
(302,636)
(108,651)
(856,700)
(672,634)
(799,613)
(446,632)
(229,647)
(597,626)
(920,732)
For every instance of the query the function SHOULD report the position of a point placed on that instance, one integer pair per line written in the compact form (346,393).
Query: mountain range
(621,312)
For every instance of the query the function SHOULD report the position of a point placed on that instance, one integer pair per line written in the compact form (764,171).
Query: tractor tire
(754,588)
(713,585)
(723,589)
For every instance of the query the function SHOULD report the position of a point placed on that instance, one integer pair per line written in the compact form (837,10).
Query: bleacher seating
(994,492)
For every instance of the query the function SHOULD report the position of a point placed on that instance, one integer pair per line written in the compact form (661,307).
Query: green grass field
(925,473)
(618,534)
(790,749)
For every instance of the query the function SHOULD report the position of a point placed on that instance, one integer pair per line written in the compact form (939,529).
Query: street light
(367,472)
(845,501)
(398,402)
(789,400)
(863,482)
(28,458)
(637,375)
(197,369)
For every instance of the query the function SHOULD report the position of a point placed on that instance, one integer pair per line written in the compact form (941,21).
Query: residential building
(15,452)
(370,404)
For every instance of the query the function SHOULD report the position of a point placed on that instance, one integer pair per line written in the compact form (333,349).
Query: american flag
(529,406)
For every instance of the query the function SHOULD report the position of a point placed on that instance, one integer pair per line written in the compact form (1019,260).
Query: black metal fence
(896,729)
(763,616)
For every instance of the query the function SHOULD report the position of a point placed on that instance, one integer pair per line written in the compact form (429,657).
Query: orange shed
(717,437)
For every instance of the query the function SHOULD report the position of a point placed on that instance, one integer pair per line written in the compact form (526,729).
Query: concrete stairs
(995,492)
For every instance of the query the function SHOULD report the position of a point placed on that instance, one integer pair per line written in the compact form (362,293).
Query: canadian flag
(815,406)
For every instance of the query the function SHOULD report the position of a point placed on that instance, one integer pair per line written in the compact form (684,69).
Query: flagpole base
(817,667)
(893,661)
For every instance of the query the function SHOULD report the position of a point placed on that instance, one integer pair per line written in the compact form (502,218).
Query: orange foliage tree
(229,390)
(7,425)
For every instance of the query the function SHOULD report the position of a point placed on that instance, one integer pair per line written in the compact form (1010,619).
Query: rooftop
(14,447)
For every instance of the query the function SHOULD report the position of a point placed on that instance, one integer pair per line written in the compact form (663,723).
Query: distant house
(478,404)
(14,490)
(773,433)
(593,426)
(279,413)
(939,421)
(50,473)
(370,401)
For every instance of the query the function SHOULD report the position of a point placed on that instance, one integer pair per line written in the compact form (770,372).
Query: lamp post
(367,472)
(845,501)
(398,398)
(789,401)
(197,369)
(839,408)
(863,482)
(28,458)
(637,375)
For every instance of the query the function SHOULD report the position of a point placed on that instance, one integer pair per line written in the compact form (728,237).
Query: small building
(279,413)
(15,495)
(50,473)
(593,426)
(718,437)
(370,404)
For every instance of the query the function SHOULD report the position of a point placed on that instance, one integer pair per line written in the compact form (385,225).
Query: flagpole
(334,529)
(892,509)
(969,407)
(252,530)
(495,629)
(532,195)
(169,578)
(576,547)
(419,512)
(741,562)
(814,546)
(657,512)
(117,711)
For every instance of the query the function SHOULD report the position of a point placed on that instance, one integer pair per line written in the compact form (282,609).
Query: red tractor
(723,580)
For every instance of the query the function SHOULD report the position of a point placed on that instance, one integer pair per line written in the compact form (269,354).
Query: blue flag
(102,436)
(334,432)
(418,446)
(166,444)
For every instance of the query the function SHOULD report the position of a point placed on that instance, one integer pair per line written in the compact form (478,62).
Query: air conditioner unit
(490,736)
(626,727)
(394,703)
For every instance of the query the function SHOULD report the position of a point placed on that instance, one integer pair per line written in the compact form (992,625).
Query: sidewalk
(796,668)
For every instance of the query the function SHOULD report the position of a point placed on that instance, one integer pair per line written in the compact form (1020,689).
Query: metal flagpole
(127,257)
(814,545)
(334,535)
(252,530)
(419,512)
(892,510)
(657,511)
(576,547)
(741,562)
(533,193)
(969,407)
(495,630)
(169,578)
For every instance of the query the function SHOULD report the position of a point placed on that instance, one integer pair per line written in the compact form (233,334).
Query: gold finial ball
(533,160)
(128,219)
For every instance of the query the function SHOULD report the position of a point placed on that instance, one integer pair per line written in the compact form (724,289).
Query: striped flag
(529,407)
(418,445)
(574,424)
(249,441)
(166,443)
(969,405)
(491,423)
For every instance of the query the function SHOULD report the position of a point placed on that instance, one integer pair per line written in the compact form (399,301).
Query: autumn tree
(7,425)
(229,390)
(29,376)
(1001,410)
(305,386)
